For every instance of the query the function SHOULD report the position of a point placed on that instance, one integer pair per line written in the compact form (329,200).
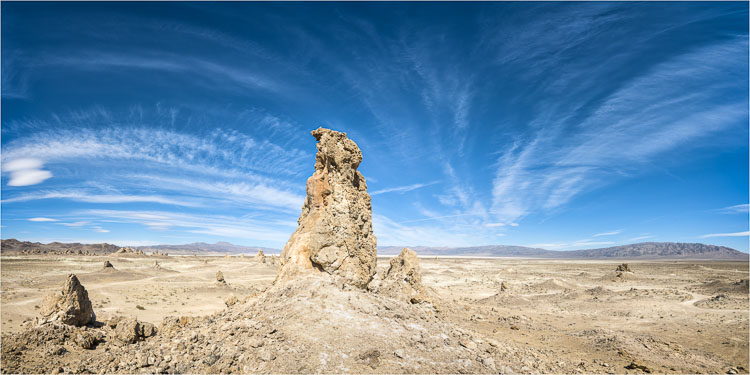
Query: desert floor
(686,316)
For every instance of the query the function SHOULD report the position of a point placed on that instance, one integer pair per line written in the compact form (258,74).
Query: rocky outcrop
(334,235)
(130,331)
(623,268)
(220,279)
(403,279)
(108,266)
(71,306)
(260,257)
(156,265)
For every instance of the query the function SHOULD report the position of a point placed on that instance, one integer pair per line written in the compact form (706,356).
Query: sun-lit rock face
(403,278)
(69,306)
(335,228)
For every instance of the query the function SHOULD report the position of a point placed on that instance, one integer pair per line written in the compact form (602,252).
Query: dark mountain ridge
(13,246)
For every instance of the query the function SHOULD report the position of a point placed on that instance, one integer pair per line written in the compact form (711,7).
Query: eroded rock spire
(335,228)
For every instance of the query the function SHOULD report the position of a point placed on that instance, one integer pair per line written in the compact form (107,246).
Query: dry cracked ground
(486,316)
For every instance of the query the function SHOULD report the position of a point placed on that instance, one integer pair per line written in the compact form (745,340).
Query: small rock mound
(403,279)
(156,265)
(71,306)
(503,286)
(220,279)
(555,285)
(260,257)
(108,266)
(623,268)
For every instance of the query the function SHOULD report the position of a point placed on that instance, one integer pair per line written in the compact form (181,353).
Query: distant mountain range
(645,250)
(13,246)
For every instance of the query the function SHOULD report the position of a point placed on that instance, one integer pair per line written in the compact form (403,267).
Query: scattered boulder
(231,300)
(334,235)
(403,279)
(156,265)
(71,306)
(637,366)
(130,331)
(86,339)
(624,268)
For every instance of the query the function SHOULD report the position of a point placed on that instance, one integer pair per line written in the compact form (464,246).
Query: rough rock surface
(129,331)
(335,228)
(220,278)
(403,279)
(108,266)
(624,268)
(71,306)
(307,325)
(156,265)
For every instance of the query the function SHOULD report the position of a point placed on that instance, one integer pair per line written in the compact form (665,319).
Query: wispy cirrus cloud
(639,238)
(42,219)
(576,151)
(735,234)
(611,233)
(84,196)
(736,209)
(75,224)
(95,134)
(276,231)
(402,189)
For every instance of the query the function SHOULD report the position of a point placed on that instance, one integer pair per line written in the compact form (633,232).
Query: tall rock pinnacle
(335,228)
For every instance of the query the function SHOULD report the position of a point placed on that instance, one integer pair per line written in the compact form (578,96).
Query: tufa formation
(220,279)
(334,235)
(623,268)
(403,279)
(71,306)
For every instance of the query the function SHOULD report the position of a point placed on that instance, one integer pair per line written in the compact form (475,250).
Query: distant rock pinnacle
(335,228)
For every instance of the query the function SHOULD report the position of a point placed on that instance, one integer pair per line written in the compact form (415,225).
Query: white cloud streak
(42,219)
(82,196)
(639,238)
(402,189)
(217,225)
(736,209)
(735,234)
(612,233)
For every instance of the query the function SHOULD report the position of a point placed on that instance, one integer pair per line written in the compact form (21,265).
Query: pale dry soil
(554,316)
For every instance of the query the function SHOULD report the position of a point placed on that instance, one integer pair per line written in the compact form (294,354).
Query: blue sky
(554,125)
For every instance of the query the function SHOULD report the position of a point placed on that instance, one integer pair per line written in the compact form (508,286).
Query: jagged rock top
(335,227)
(71,306)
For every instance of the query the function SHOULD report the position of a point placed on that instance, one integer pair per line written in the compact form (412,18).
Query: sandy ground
(676,317)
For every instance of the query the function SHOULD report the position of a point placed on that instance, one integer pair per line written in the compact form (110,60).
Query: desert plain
(531,315)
